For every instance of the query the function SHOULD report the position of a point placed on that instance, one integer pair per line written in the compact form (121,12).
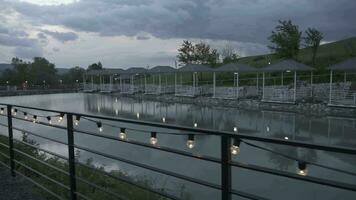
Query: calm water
(324,130)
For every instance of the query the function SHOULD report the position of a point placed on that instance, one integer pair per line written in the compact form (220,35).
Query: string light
(195,125)
(153,139)
(302,168)
(138,115)
(25,115)
(235,147)
(49,119)
(34,119)
(2,110)
(267,128)
(122,134)
(163,119)
(61,117)
(235,129)
(15,111)
(286,138)
(100,126)
(190,141)
(77,119)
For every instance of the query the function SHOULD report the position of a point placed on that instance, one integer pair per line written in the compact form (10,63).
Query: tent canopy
(286,65)
(161,69)
(347,65)
(235,67)
(195,68)
(105,72)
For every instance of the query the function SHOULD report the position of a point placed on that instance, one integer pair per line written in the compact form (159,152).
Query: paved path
(15,188)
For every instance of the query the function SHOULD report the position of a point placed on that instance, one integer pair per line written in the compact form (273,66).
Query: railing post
(11,141)
(71,156)
(225,168)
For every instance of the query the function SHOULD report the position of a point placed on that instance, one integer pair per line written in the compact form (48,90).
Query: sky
(140,33)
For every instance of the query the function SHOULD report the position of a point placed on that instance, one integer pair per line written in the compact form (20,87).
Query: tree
(313,40)
(42,70)
(186,52)
(74,74)
(20,71)
(286,39)
(229,54)
(200,53)
(95,66)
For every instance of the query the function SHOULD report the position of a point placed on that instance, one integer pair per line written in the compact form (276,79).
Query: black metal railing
(229,145)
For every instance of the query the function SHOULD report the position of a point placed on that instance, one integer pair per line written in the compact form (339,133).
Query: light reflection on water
(324,130)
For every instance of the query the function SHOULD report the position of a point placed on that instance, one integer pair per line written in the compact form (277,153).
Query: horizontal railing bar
(39,185)
(42,162)
(5,155)
(82,196)
(247,195)
(41,174)
(337,149)
(4,145)
(159,192)
(161,171)
(320,181)
(41,149)
(101,188)
(161,148)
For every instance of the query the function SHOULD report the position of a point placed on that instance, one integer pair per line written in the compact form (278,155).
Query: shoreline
(306,108)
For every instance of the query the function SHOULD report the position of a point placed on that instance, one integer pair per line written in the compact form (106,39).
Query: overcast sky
(127,33)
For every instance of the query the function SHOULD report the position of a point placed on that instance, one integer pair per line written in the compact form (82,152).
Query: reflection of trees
(299,153)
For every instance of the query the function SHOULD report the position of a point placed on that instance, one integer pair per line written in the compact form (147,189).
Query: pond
(326,130)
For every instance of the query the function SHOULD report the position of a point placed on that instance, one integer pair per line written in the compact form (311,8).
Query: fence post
(225,168)
(11,141)
(71,156)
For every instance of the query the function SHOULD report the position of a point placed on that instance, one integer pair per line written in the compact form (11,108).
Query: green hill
(328,54)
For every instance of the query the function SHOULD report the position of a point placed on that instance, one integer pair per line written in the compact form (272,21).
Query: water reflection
(324,130)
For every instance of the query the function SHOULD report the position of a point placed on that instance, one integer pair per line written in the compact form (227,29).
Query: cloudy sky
(126,33)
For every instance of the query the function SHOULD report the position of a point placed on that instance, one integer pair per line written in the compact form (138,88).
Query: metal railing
(229,145)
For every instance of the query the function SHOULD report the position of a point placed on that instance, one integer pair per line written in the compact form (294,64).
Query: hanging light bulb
(15,111)
(235,129)
(138,115)
(286,138)
(77,119)
(2,110)
(235,147)
(267,128)
(302,168)
(153,139)
(122,134)
(195,125)
(34,119)
(49,120)
(60,117)
(116,100)
(25,115)
(100,126)
(163,119)
(190,141)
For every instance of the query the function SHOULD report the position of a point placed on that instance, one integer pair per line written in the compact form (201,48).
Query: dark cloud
(28,52)
(61,36)
(237,20)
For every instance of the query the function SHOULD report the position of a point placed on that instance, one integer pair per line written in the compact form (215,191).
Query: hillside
(328,54)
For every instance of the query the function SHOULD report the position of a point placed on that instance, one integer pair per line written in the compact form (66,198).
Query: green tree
(74,74)
(42,70)
(20,71)
(229,54)
(95,66)
(200,53)
(286,39)
(313,40)
(186,52)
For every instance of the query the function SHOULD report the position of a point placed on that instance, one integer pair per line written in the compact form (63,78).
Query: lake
(326,130)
